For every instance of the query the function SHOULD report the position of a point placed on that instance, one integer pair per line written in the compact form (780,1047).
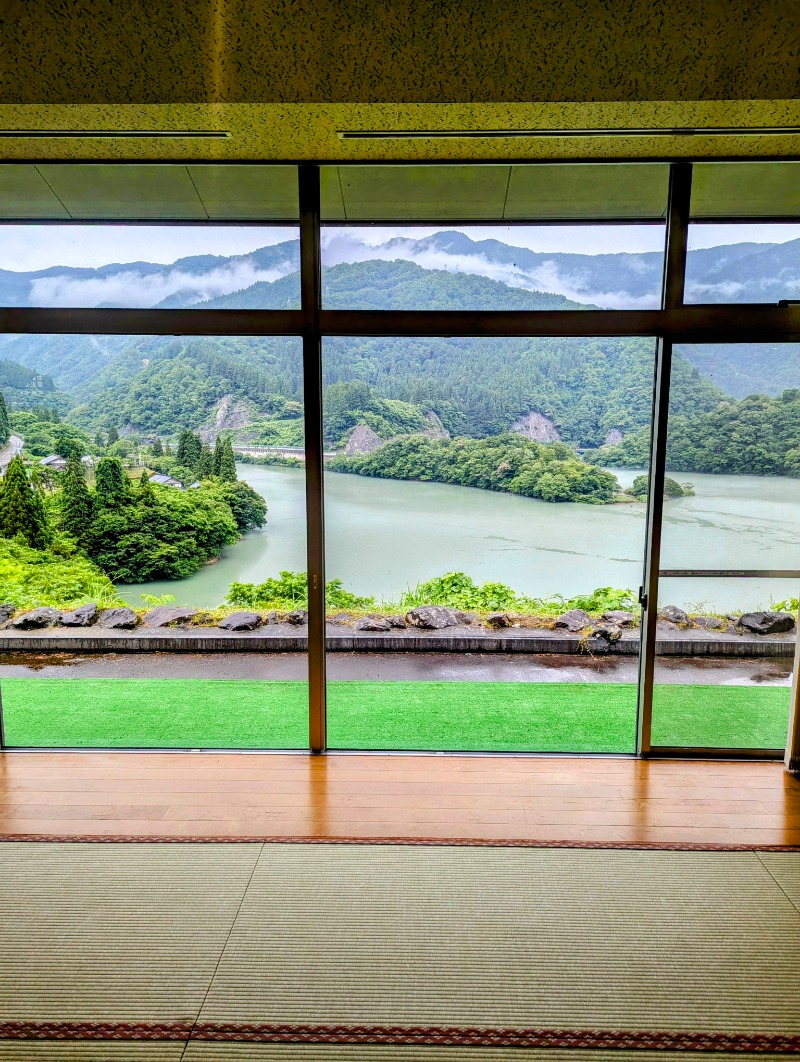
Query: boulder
(273,617)
(710,623)
(372,623)
(342,617)
(767,622)
(39,617)
(165,615)
(114,619)
(240,621)
(603,637)
(619,617)
(466,619)
(6,612)
(431,617)
(496,620)
(398,622)
(575,620)
(297,618)
(84,616)
(673,614)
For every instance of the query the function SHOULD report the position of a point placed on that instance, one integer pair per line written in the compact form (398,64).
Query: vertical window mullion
(310,302)
(680,191)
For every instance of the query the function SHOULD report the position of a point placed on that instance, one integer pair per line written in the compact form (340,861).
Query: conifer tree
(113,435)
(189,450)
(5,423)
(206,462)
(76,501)
(227,464)
(217,458)
(99,441)
(146,493)
(21,508)
(111,483)
(157,448)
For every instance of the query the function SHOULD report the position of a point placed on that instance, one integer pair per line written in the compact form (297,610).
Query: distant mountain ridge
(742,272)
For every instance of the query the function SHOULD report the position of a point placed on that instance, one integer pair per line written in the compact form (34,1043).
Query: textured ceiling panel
(418,193)
(25,194)
(291,132)
(589,192)
(247,192)
(143,192)
(412,51)
(746,189)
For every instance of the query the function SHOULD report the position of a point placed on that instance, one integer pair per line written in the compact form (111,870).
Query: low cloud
(131,289)
(342,246)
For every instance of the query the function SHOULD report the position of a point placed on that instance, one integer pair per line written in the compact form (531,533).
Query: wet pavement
(398,666)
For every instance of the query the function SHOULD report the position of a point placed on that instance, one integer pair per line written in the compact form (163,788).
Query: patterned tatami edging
(424,842)
(418,1035)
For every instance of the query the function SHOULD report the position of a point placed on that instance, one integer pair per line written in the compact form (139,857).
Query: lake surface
(387,535)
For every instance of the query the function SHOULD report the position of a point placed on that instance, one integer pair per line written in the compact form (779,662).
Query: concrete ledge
(283,638)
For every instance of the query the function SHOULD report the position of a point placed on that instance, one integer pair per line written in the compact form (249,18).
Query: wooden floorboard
(373,796)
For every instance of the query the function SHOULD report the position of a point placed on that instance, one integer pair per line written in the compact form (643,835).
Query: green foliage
(227,462)
(5,423)
(113,435)
(672,489)
(789,604)
(247,505)
(349,403)
(45,435)
(604,599)
(69,441)
(157,449)
(169,536)
(75,501)
(756,436)
(31,578)
(189,450)
(290,591)
(22,509)
(509,462)
(457,590)
(112,486)
(152,600)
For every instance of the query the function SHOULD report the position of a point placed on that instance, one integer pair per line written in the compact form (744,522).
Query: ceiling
(489,192)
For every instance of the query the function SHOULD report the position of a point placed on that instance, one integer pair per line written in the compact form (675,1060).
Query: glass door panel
(730,550)
(161,496)
(486,554)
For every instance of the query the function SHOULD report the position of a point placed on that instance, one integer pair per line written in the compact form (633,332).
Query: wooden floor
(371,796)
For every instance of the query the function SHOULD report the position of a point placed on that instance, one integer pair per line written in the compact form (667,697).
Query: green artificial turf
(451,716)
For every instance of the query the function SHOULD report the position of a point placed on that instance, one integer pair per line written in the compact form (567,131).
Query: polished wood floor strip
(376,796)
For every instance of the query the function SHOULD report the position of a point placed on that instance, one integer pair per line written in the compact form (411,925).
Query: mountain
(743,272)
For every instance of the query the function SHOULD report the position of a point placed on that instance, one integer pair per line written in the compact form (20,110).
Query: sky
(31,247)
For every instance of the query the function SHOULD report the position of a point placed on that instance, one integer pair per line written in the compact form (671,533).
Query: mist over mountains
(743,272)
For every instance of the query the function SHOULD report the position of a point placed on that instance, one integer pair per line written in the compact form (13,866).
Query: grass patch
(450,716)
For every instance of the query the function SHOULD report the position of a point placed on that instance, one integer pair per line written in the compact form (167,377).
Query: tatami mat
(512,937)
(115,932)
(383,935)
(54,1051)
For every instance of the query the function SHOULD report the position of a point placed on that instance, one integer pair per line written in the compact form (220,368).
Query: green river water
(386,535)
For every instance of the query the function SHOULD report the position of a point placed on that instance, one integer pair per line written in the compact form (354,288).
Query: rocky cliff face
(435,429)
(363,440)
(613,437)
(228,416)
(536,426)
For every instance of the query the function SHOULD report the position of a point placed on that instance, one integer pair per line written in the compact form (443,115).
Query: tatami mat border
(419,1035)
(424,842)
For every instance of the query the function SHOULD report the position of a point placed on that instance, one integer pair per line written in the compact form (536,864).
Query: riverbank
(286,638)
(385,536)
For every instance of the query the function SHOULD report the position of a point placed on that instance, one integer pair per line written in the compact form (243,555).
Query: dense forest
(757,436)
(506,463)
